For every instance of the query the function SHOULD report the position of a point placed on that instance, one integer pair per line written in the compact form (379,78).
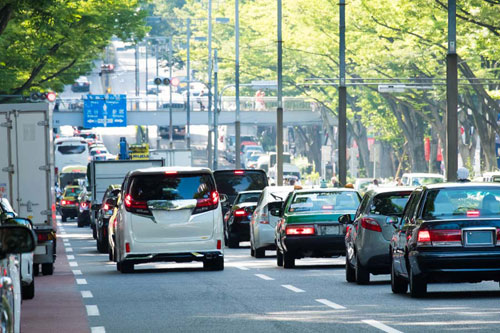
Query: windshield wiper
(276,197)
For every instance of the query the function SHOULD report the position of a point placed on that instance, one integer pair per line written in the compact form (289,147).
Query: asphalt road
(254,295)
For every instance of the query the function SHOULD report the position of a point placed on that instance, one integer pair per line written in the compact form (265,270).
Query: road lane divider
(97,329)
(380,326)
(243,268)
(76,272)
(87,294)
(81,281)
(264,277)
(330,304)
(70,257)
(92,310)
(292,288)
(73,264)
(68,249)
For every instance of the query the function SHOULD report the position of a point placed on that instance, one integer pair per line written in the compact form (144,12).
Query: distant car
(448,233)
(107,68)
(82,84)
(309,225)
(251,161)
(109,201)
(417,179)
(237,219)
(262,224)
(369,234)
(70,151)
(84,200)
(111,229)
(96,152)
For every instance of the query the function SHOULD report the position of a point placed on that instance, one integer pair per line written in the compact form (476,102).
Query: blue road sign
(105,111)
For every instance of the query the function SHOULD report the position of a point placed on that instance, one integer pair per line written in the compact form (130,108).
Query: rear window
(72,192)
(88,135)
(389,204)
(417,181)
(71,150)
(324,201)
(248,197)
(232,182)
(171,187)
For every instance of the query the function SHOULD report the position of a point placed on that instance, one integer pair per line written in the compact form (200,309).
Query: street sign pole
(237,125)
(279,110)
(452,95)
(342,132)
(171,127)
(188,109)
(216,132)
(209,145)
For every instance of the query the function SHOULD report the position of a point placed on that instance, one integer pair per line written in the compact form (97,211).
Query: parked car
(107,68)
(15,239)
(368,236)
(103,214)
(84,200)
(69,202)
(169,214)
(309,225)
(262,224)
(232,182)
(237,219)
(112,227)
(448,233)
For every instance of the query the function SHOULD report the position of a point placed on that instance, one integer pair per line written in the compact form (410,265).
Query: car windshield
(417,181)
(71,150)
(171,187)
(452,203)
(247,197)
(324,202)
(69,178)
(98,151)
(72,191)
(389,204)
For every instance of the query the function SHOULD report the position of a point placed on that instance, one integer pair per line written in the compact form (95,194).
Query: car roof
(461,185)
(389,189)
(250,192)
(423,174)
(155,170)
(322,190)
(70,139)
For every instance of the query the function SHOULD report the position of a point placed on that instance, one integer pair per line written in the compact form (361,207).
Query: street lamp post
(171,127)
(279,110)
(188,107)
(237,125)
(342,133)
(209,145)
(452,95)
(216,132)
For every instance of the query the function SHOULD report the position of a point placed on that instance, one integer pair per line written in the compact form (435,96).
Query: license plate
(40,250)
(478,238)
(330,230)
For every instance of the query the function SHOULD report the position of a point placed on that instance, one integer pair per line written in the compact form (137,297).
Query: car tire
(398,284)
(362,274)
(288,260)
(260,253)
(94,232)
(418,286)
(110,253)
(126,267)
(350,273)
(279,258)
(28,292)
(233,242)
(36,269)
(100,246)
(252,251)
(47,269)
(216,264)
(79,221)
(64,218)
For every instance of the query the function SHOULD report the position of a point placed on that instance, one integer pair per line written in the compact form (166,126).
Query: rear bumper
(69,211)
(241,230)
(316,246)
(172,257)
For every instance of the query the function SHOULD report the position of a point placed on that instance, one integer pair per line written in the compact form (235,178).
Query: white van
(70,151)
(417,179)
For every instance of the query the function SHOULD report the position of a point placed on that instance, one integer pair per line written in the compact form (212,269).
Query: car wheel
(260,253)
(252,251)
(28,292)
(233,242)
(216,264)
(362,274)
(94,233)
(398,284)
(279,258)
(47,269)
(79,222)
(350,274)
(126,267)
(418,286)
(110,253)
(64,218)
(36,269)
(288,260)
(100,247)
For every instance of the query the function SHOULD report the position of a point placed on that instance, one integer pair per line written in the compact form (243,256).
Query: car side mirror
(276,211)
(394,220)
(7,215)
(223,198)
(16,239)
(345,219)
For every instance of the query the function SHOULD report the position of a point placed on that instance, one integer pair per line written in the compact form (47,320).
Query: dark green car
(309,225)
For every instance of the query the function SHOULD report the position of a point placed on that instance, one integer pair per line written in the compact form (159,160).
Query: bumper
(241,230)
(44,253)
(470,266)
(315,246)
(172,257)
(69,211)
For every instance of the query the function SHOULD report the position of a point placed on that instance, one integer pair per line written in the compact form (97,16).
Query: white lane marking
(70,257)
(87,294)
(243,268)
(97,329)
(292,288)
(330,304)
(92,310)
(264,277)
(73,264)
(380,326)
(81,281)
(69,249)
(77,272)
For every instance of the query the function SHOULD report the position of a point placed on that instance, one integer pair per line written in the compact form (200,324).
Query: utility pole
(452,95)
(279,110)
(157,75)
(209,145)
(188,109)
(216,132)
(171,128)
(342,133)
(137,75)
(237,128)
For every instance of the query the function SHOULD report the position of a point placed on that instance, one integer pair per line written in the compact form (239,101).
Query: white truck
(27,173)
(172,157)
(289,170)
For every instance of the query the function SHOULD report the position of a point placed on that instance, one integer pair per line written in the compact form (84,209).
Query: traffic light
(175,81)
(167,81)
(40,96)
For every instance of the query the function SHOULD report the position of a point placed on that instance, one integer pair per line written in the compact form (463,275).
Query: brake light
(105,207)
(84,205)
(473,213)
(300,230)
(370,224)
(136,206)
(171,172)
(127,247)
(450,237)
(63,202)
(239,172)
(240,212)
(219,244)
(204,205)
(68,202)
(44,237)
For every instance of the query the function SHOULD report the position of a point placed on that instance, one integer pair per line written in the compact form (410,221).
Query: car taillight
(105,207)
(239,172)
(219,244)
(136,206)
(498,237)
(370,224)
(45,237)
(204,205)
(263,218)
(300,230)
(84,205)
(450,237)
(473,213)
(240,212)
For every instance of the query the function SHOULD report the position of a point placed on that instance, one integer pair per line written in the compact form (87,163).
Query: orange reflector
(219,244)
(127,247)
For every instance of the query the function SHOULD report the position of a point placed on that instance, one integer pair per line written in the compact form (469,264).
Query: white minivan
(70,151)
(169,214)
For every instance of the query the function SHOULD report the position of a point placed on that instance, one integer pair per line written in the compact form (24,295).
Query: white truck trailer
(173,157)
(27,173)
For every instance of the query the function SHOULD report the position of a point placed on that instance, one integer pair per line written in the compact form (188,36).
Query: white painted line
(81,281)
(264,277)
(97,329)
(92,310)
(70,257)
(292,288)
(243,268)
(77,272)
(330,304)
(73,264)
(87,294)
(68,249)
(380,326)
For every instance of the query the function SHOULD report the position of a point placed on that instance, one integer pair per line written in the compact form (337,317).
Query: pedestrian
(259,100)
(463,175)
(200,101)
(335,183)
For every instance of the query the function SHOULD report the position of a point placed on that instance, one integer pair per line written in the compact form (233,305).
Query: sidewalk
(58,305)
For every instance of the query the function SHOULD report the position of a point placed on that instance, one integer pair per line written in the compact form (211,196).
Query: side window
(362,206)
(287,201)
(409,211)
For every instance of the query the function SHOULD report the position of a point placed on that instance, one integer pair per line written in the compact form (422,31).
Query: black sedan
(237,220)
(448,233)
(104,213)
